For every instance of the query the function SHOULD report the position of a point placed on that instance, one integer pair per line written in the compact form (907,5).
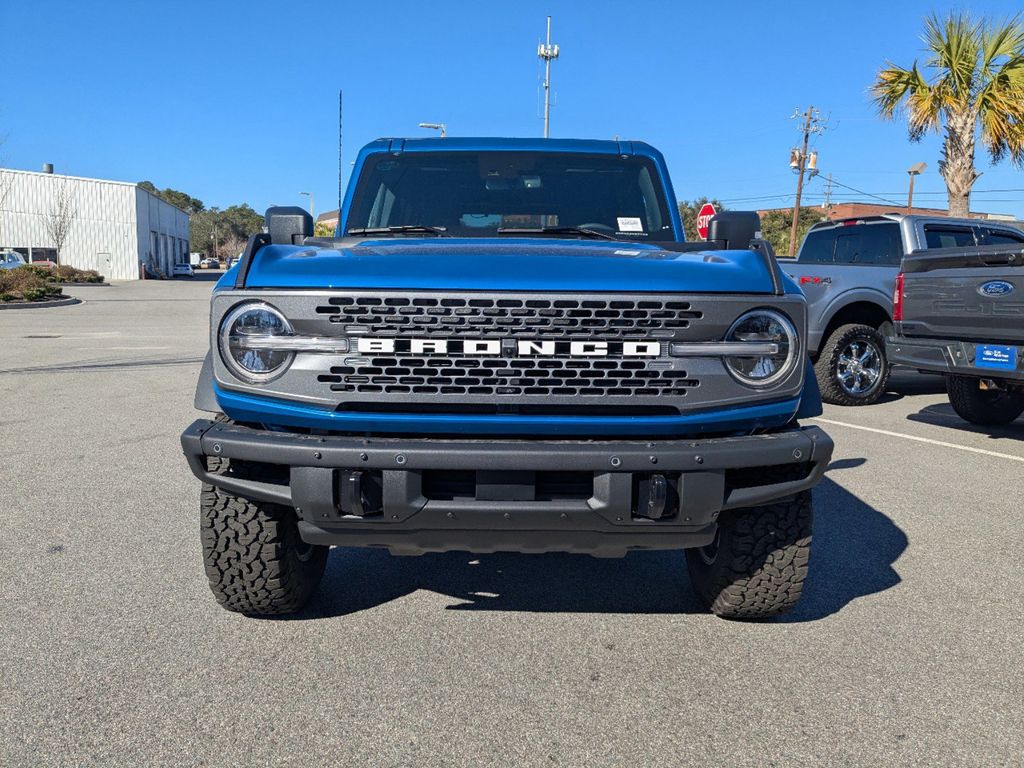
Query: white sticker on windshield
(630,224)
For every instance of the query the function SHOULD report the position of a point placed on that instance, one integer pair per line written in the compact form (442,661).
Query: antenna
(341,164)
(548,53)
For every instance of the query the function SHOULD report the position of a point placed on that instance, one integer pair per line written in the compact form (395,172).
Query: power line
(862,192)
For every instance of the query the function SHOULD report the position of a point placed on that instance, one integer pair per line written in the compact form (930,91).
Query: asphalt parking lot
(906,649)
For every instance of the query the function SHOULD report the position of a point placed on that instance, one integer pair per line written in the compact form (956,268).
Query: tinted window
(879,244)
(819,246)
(473,193)
(948,237)
(1003,238)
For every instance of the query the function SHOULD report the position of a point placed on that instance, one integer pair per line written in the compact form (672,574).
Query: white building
(116,225)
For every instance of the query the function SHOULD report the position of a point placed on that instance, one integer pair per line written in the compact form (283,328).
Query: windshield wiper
(555,231)
(399,229)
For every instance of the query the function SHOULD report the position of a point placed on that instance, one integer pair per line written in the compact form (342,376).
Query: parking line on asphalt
(921,439)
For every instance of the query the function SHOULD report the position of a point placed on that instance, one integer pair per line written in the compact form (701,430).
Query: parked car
(183,270)
(847,269)
(440,380)
(209,264)
(960,312)
(11,260)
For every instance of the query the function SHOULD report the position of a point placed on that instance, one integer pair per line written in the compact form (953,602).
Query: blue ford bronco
(507,346)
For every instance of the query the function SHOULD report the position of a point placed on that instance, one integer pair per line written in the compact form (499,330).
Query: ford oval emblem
(995,288)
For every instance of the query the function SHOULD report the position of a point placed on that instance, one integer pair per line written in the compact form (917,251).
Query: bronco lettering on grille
(509,347)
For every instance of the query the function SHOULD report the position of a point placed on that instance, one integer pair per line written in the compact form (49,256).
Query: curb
(69,301)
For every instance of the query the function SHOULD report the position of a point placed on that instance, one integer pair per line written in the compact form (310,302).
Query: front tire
(852,368)
(756,567)
(255,560)
(987,407)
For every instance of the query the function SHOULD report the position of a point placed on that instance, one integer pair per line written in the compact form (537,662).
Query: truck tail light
(897,298)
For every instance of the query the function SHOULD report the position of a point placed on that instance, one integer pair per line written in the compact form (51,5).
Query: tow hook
(990,384)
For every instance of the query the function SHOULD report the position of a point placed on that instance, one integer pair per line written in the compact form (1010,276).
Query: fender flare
(810,396)
(854,296)
(206,399)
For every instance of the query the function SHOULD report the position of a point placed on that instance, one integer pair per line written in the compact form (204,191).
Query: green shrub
(66,274)
(33,294)
(26,283)
(39,271)
(6,297)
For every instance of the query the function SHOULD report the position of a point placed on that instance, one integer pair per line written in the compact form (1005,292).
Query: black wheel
(756,566)
(983,406)
(255,560)
(852,368)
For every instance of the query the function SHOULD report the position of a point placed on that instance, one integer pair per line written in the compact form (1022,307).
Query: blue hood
(513,264)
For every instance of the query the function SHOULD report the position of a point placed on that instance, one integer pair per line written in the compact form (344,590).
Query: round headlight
(247,346)
(775,332)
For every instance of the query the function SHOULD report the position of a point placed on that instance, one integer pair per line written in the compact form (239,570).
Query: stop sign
(703,218)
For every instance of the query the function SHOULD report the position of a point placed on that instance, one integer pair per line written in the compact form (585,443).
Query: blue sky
(238,102)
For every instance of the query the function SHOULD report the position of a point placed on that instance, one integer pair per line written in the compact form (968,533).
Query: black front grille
(505,377)
(480,317)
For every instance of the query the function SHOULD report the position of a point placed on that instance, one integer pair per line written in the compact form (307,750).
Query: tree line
(213,231)
(775,225)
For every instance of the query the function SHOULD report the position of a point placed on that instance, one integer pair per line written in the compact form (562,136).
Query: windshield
(505,194)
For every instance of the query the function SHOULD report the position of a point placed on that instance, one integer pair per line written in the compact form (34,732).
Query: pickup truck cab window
(877,244)
(819,247)
(948,237)
(493,193)
(992,237)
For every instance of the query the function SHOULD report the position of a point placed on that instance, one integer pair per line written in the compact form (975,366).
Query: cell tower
(548,53)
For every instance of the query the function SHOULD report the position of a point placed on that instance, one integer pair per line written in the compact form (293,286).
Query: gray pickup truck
(847,269)
(960,312)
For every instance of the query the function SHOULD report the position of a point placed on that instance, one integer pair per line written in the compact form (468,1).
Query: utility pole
(827,204)
(800,162)
(548,53)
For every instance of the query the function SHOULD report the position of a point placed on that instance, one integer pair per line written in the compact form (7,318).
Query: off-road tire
(826,368)
(978,406)
(757,565)
(254,558)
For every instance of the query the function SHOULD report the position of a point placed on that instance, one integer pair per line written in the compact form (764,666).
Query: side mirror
(288,224)
(734,229)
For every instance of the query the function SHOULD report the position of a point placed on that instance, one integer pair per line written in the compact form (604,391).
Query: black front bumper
(512,495)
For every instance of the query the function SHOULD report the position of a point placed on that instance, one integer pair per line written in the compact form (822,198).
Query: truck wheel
(852,368)
(756,566)
(983,406)
(255,560)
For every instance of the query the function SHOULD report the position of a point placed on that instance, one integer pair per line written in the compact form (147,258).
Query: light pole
(915,170)
(312,212)
(548,53)
(436,127)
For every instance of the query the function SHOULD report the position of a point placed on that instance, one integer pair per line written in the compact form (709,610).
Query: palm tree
(973,78)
